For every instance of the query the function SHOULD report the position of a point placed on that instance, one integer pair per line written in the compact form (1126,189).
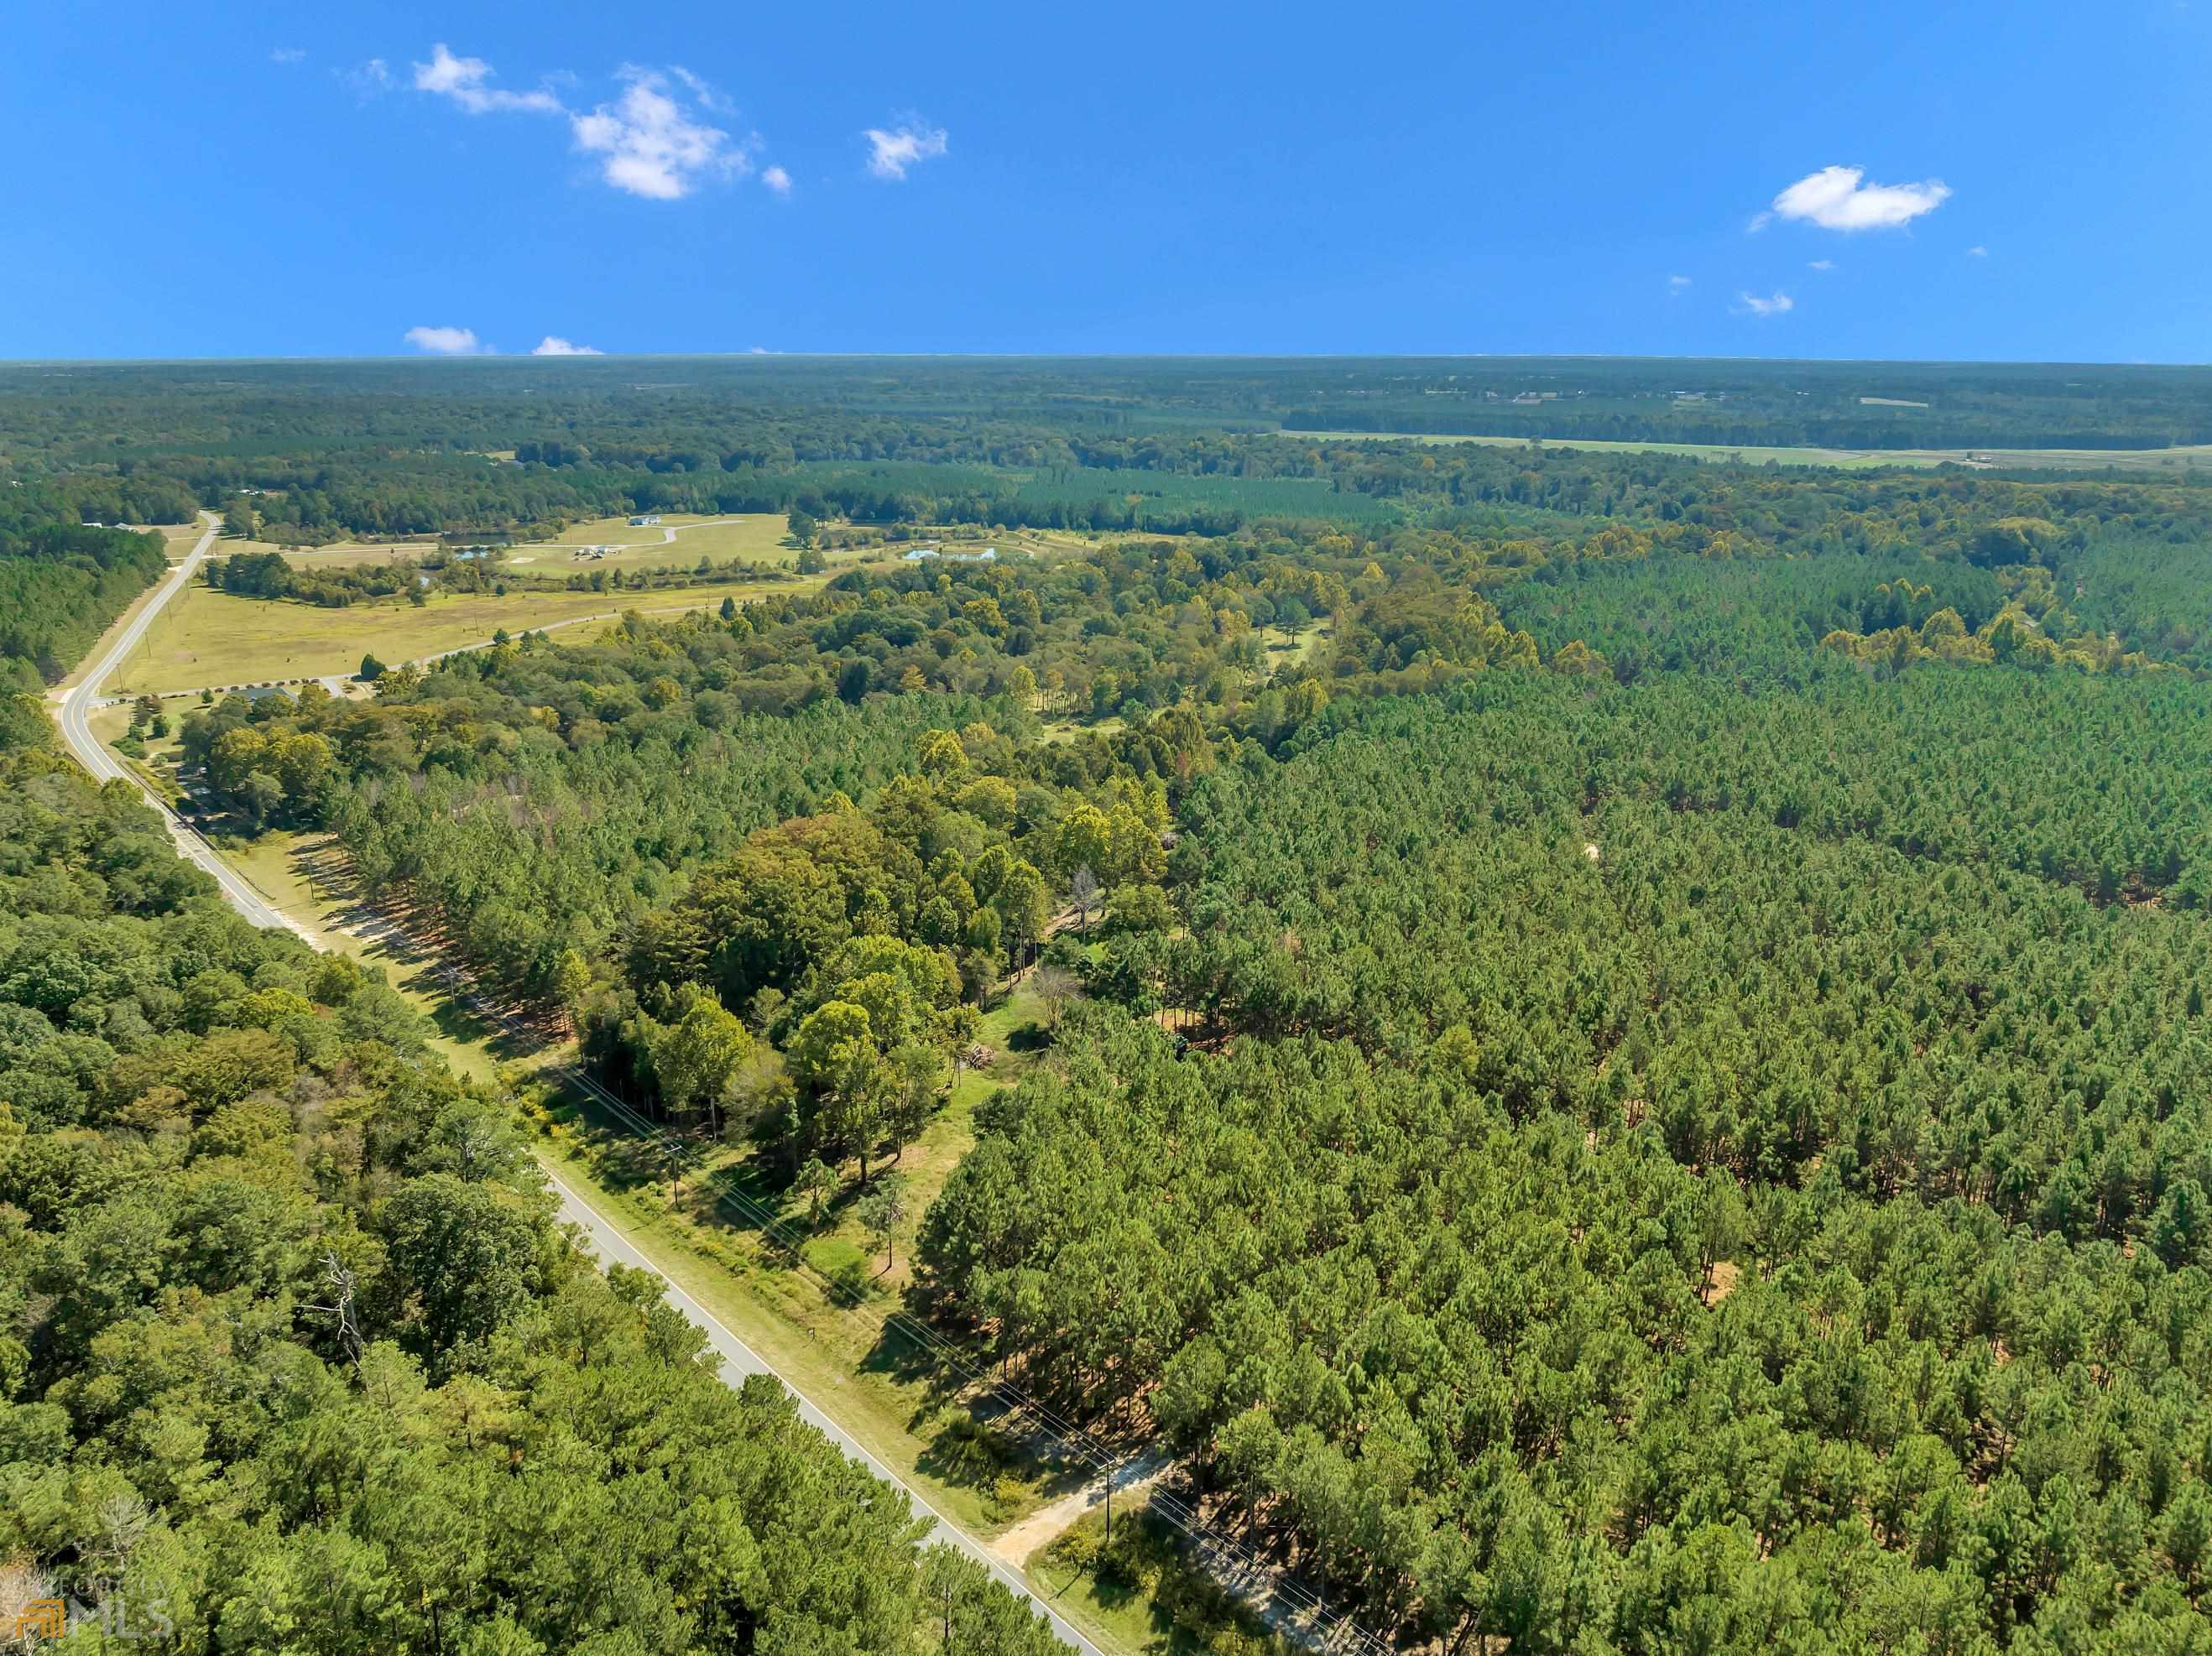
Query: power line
(1213,1545)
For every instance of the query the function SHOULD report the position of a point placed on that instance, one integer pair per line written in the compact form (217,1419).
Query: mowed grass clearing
(209,637)
(758,538)
(2170,462)
(1851,458)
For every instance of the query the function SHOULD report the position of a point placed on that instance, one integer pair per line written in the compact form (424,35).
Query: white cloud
(710,97)
(1978,251)
(652,145)
(445,342)
(649,142)
(1774,305)
(554,345)
(1676,283)
(286,54)
(1839,198)
(777,179)
(890,154)
(1821,265)
(371,79)
(462,79)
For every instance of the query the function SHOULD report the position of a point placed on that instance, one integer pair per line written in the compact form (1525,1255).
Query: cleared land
(2172,461)
(209,637)
(1749,456)
(758,538)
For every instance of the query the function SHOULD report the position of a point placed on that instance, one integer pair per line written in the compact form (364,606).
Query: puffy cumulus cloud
(554,345)
(650,143)
(1775,304)
(653,141)
(777,179)
(464,81)
(1821,265)
(445,342)
(891,153)
(1840,198)
(1978,251)
(1677,286)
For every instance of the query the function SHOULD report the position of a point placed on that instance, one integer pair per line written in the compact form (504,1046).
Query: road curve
(73,713)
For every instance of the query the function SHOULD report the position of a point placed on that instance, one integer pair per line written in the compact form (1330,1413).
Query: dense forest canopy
(292,1355)
(1634,1068)
(422,447)
(60,585)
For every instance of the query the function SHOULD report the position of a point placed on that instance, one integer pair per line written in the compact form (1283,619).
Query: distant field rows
(2196,458)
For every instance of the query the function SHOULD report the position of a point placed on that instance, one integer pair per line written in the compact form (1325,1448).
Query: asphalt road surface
(74,717)
(739,1359)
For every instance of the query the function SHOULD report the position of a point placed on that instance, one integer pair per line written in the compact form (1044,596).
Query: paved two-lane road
(739,1359)
(75,716)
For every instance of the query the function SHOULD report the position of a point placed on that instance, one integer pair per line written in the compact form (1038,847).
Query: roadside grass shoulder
(1141,1592)
(873,1379)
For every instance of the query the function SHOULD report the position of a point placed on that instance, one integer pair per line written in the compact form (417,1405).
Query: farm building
(646,520)
(988,554)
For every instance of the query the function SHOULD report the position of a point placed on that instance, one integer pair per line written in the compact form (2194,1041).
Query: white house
(646,520)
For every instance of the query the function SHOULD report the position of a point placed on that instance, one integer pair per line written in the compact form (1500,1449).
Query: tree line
(294,1356)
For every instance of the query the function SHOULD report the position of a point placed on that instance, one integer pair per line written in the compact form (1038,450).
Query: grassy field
(2166,461)
(758,538)
(337,554)
(209,637)
(1789,456)
(1037,542)
(1282,647)
(176,539)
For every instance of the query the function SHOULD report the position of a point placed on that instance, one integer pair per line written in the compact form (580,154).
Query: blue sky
(246,180)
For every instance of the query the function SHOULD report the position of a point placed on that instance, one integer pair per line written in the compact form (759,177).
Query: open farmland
(209,637)
(1849,458)
(756,537)
(2181,460)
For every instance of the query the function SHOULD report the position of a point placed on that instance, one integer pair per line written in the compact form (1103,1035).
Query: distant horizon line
(565,361)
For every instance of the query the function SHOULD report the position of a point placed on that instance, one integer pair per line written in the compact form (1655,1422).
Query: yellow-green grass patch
(208,638)
(2169,461)
(758,538)
(1283,648)
(1748,455)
